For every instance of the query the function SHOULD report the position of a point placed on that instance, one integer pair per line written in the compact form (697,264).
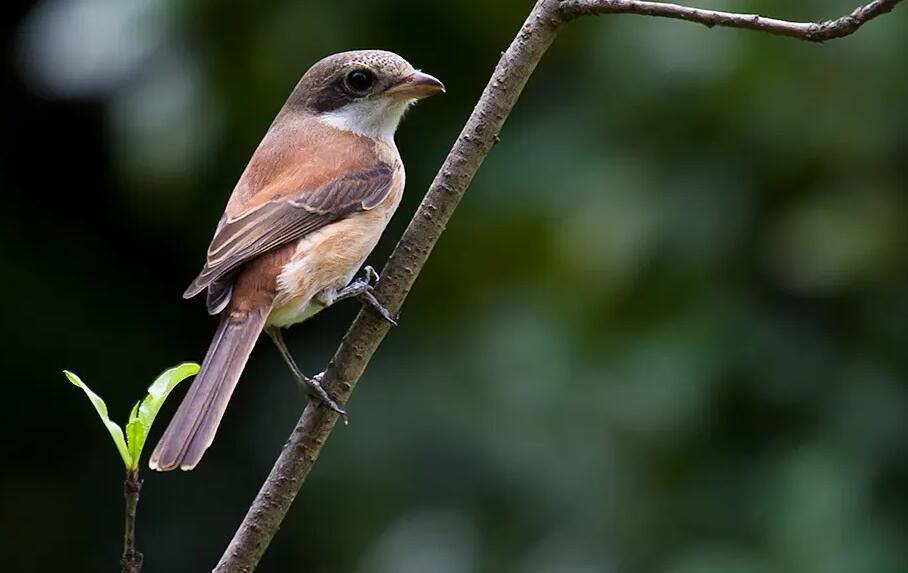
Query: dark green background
(667,330)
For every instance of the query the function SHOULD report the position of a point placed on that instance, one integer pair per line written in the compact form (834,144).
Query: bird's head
(365,91)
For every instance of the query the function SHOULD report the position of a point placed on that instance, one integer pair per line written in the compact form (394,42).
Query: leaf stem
(131,562)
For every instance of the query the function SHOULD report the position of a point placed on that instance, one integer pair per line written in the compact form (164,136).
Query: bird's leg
(312,386)
(362,289)
(359,286)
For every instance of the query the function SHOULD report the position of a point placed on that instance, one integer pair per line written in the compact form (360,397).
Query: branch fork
(478,137)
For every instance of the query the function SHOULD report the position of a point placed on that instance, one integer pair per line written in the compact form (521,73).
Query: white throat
(377,118)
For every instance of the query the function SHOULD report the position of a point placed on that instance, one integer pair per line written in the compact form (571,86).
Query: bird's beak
(417,86)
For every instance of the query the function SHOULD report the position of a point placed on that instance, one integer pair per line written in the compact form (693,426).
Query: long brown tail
(193,426)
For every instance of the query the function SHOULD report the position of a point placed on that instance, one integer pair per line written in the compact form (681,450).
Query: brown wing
(283,219)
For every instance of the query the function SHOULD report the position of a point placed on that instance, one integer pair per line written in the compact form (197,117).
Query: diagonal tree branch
(479,134)
(810,31)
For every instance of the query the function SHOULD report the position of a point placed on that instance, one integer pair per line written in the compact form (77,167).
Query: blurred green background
(667,330)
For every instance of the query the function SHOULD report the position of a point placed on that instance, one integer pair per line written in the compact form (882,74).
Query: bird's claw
(312,386)
(369,299)
(362,288)
(371,275)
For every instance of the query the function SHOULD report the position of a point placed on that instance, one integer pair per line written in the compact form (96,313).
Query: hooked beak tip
(417,85)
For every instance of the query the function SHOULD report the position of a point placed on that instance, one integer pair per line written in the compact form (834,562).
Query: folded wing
(285,218)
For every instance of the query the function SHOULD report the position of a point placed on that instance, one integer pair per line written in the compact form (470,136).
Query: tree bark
(476,139)
(131,561)
(809,31)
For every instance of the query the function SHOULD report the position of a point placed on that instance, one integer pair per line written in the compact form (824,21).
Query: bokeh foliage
(665,332)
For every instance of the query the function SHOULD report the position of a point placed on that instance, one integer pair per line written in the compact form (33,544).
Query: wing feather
(257,230)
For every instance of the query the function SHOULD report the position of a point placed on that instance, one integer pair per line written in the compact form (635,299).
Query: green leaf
(135,434)
(115,432)
(144,412)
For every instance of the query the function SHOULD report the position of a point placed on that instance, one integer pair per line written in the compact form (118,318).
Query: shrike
(309,208)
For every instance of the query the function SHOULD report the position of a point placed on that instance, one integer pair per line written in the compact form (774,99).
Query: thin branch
(479,134)
(809,31)
(131,562)
(364,336)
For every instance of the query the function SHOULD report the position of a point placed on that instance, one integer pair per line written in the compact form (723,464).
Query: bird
(307,210)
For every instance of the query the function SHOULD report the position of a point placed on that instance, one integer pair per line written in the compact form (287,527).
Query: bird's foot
(313,388)
(371,275)
(369,299)
(362,288)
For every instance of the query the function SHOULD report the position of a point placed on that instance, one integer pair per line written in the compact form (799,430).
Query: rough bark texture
(475,141)
(131,561)
(368,330)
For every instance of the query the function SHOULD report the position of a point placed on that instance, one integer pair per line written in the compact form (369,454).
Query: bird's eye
(360,80)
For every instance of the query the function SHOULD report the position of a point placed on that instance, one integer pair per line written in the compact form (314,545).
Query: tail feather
(196,421)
